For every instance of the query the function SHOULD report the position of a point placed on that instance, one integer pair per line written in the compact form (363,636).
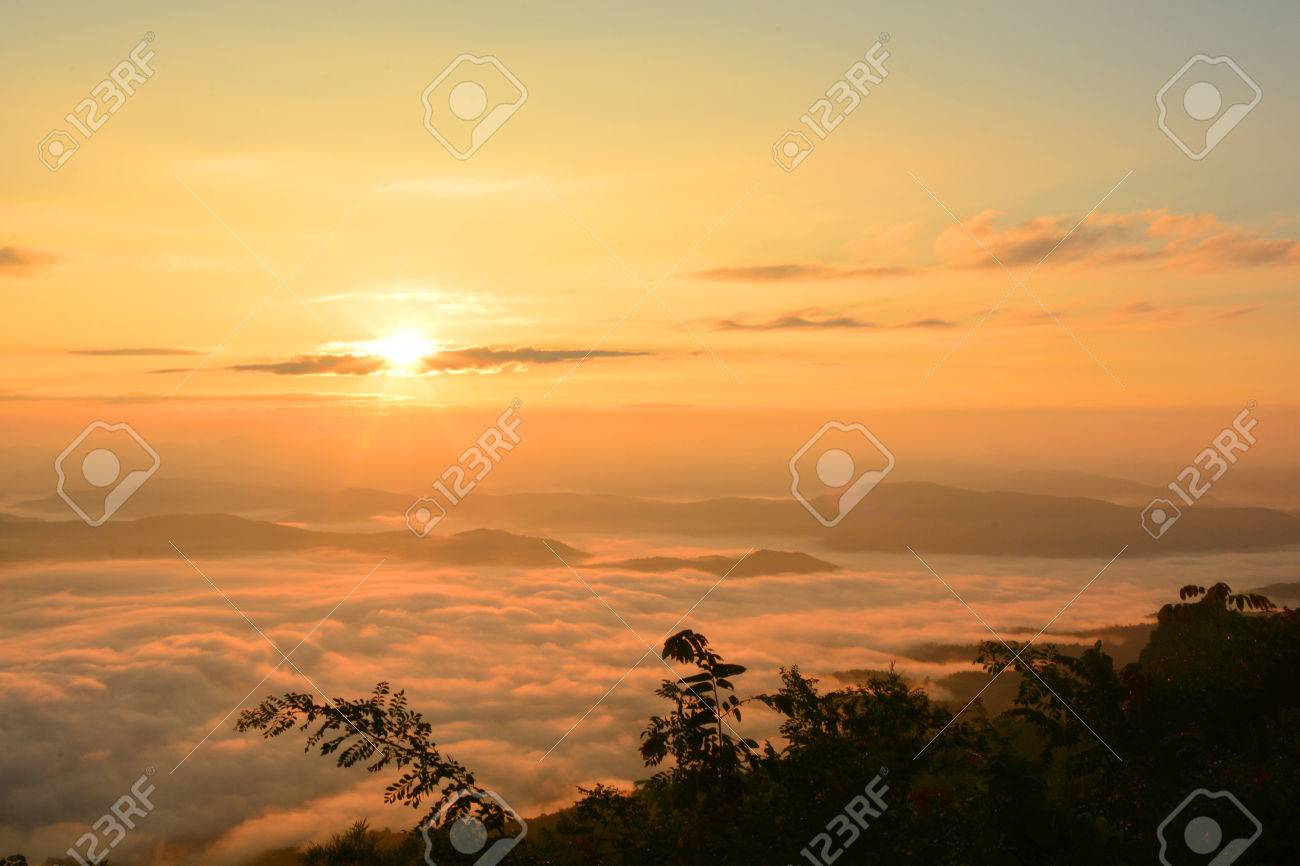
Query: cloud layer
(108,668)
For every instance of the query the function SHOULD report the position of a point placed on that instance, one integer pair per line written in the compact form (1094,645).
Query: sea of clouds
(533,678)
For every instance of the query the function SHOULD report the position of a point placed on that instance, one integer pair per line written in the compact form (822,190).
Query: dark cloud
(473,359)
(1146,313)
(490,359)
(802,320)
(19,262)
(318,365)
(799,271)
(1236,313)
(936,324)
(1140,308)
(145,352)
(817,320)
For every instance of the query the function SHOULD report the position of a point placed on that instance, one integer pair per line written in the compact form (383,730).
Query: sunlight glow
(403,350)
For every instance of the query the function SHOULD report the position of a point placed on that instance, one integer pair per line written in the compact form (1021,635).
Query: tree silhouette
(698,732)
(360,845)
(1219,594)
(378,732)
(1081,769)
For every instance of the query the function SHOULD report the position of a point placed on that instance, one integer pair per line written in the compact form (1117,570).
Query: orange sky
(878,279)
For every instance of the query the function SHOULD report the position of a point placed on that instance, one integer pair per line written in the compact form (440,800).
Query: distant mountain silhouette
(1044,482)
(1281,593)
(944,519)
(757,564)
(927,517)
(224,535)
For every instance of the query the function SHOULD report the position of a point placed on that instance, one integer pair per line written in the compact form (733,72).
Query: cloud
(800,320)
(1032,317)
(817,320)
(317,365)
(889,243)
(501,661)
(473,359)
(800,272)
(489,359)
(1196,243)
(1029,242)
(937,324)
(19,262)
(1236,313)
(1139,308)
(1190,243)
(144,352)
(1146,313)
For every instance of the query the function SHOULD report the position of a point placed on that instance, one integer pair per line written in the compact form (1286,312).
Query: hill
(223,535)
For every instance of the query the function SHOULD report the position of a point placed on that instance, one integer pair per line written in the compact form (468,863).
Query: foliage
(359,844)
(378,732)
(1081,769)
(1220,593)
(698,733)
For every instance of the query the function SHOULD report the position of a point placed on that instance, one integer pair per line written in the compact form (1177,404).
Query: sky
(642,158)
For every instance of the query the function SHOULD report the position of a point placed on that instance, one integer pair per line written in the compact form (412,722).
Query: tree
(1083,767)
(698,733)
(380,732)
(1212,702)
(610,827)
(360,845)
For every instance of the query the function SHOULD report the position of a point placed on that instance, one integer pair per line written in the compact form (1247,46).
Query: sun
(402,351)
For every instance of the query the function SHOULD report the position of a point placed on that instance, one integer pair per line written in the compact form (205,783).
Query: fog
(111,668)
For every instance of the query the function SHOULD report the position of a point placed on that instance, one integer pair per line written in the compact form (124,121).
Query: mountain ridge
(921,515)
